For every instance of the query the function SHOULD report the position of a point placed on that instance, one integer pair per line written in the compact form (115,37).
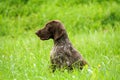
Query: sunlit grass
(93,29)
(28,58)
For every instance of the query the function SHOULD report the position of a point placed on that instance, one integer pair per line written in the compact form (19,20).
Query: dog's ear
(58,33)
(56,28)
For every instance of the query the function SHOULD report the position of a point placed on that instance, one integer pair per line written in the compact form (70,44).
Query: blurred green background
(93,27)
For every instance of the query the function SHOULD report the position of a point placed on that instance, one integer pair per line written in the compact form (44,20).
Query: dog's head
(53,29)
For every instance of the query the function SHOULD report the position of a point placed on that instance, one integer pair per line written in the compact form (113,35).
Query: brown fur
(63,54)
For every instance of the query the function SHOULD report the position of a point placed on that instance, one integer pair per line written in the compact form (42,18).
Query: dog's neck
(62,40)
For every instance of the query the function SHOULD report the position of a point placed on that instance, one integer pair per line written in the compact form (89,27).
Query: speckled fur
(63,54)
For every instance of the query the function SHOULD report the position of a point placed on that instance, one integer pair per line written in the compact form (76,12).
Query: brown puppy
(63,55)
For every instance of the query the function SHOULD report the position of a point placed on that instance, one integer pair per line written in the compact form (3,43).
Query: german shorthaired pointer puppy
(63,54)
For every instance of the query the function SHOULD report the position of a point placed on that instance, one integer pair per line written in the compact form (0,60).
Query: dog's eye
(48,25)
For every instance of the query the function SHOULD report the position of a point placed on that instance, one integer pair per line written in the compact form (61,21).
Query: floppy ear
(58,33)
(56,29)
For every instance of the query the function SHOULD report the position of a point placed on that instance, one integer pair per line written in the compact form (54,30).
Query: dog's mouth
(43,38)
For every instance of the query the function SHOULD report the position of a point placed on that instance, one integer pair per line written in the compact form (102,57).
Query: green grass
(93,27)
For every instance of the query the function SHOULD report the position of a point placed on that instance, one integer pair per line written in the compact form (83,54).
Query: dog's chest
(60,51)
(56,50)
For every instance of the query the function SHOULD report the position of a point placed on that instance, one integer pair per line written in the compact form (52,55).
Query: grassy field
(93,27)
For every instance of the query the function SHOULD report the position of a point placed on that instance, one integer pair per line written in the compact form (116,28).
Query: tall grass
(93,27)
